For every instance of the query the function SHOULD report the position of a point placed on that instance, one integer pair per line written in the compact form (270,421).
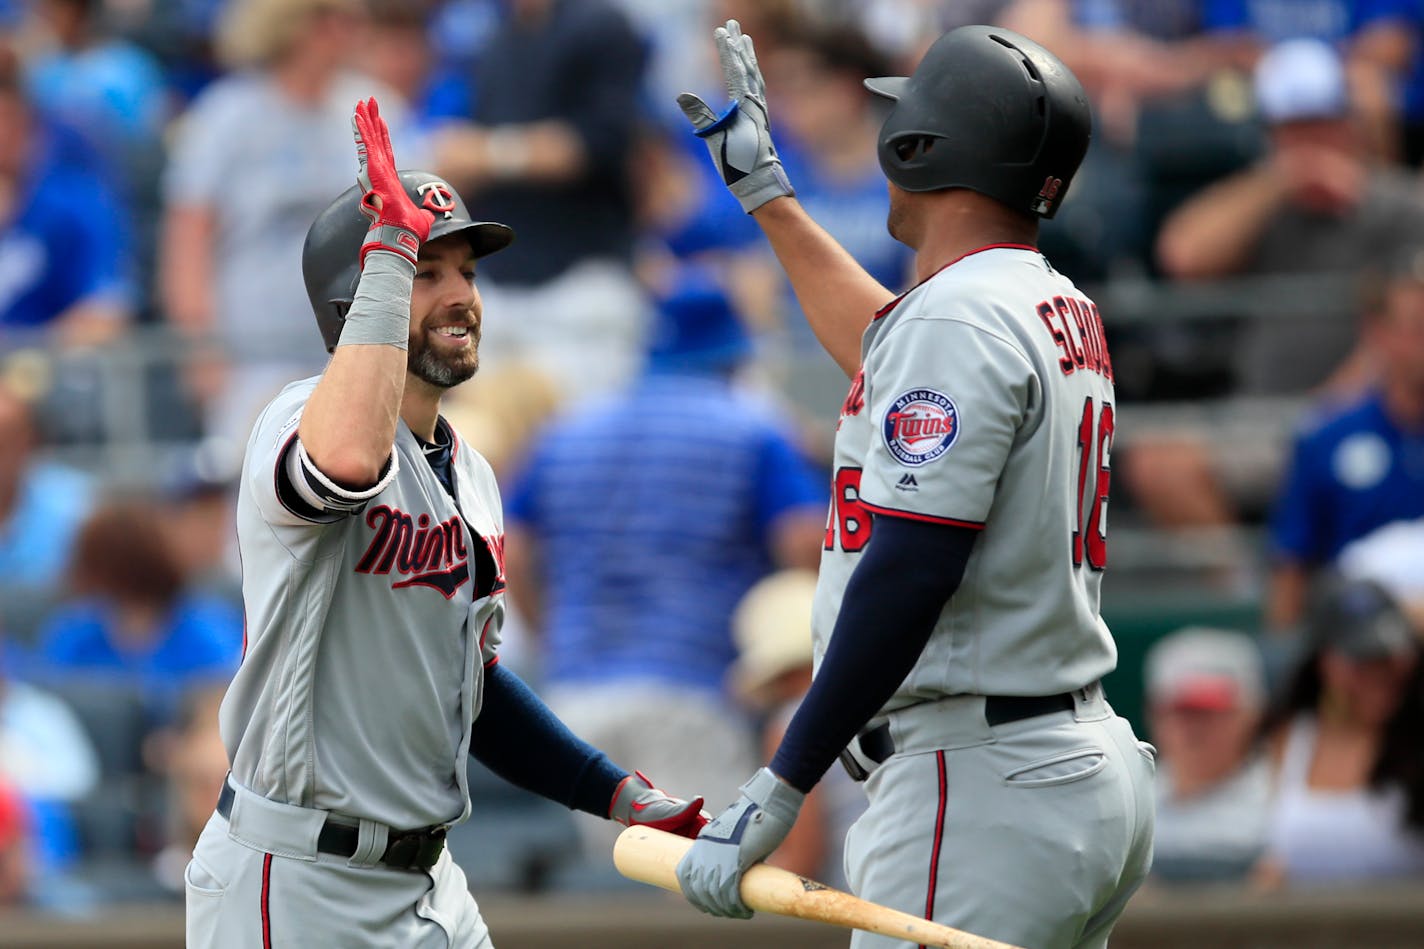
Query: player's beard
(444,370)
(896,221)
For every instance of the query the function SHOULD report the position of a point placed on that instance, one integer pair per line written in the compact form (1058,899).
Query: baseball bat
(651,856)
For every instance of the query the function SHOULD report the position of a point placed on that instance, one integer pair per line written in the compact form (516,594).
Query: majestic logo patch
(919,426)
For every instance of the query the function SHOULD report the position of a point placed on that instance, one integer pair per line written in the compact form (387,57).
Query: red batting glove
(637,803)
(397,225)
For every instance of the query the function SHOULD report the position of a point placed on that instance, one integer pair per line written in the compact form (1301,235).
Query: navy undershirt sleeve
(906,575)
(519,739)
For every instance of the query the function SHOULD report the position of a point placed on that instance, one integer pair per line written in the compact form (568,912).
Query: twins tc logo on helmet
(919,426)
(438,198)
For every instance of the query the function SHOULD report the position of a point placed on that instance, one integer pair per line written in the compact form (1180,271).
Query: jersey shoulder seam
(939,318)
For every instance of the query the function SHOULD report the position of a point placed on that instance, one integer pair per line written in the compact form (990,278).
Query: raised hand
(739,140)
(397,225)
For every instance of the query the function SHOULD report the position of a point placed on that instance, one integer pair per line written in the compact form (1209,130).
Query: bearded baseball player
(958,640)
(371,539)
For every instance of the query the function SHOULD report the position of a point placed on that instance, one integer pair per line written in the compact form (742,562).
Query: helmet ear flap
(336,319)
(908,157)
(912,148)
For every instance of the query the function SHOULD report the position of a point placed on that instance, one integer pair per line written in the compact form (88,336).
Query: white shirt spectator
(45,752)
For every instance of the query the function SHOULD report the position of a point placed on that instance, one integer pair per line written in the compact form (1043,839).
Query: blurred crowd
(1250,216)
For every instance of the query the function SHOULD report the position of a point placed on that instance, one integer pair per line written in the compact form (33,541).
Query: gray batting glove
(636,803)
(710,873)
(739,140)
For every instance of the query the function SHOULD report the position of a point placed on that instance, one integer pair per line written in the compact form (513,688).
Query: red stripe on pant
(266,915)
(938,837)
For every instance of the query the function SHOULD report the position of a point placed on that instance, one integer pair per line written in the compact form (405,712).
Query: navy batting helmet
(988,110)
(332,252)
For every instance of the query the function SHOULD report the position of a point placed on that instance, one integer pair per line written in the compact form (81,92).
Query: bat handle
(651,856)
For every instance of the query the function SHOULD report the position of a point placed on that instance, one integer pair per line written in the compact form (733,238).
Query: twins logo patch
(438,198)
(921,425)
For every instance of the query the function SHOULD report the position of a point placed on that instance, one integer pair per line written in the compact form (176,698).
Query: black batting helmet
(331,256)
(988,110)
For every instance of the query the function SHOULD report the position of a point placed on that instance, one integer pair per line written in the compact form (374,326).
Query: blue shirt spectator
(1273,21)
(134,619)
(52,261)
(1361,465)
(200,638)
(655,511)
(38,531)
(41,507)
(64,259)
(1159,19)
(1353,471)
(637,526)
(111,89)
(115,96)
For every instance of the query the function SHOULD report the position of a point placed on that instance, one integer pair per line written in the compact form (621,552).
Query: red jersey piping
(916,516)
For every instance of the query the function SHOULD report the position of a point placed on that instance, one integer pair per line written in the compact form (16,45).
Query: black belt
(877,745)
(412,850)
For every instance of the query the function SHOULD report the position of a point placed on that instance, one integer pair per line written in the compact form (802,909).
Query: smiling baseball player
(372,549)
(958,640)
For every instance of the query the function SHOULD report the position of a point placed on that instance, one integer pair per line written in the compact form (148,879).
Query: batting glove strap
(774,795)
(710,873)
(398,240)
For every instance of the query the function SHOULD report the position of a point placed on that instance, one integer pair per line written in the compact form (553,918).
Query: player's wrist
(393,239)
(622,794)
(764,185)
(774,795)
(380,309)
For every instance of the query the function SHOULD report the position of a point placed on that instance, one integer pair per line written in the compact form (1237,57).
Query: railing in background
(1381,917)
(121,411)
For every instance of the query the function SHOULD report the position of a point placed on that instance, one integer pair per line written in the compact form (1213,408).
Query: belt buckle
(432,845)
(416,849)
(402,851)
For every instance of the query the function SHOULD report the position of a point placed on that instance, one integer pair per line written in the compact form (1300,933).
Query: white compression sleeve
(380,312)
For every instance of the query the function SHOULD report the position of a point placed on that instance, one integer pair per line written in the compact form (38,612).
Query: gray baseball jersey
(985,400)
(369,625)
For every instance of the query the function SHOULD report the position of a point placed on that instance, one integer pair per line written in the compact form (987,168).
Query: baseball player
(957,636)
(371,540)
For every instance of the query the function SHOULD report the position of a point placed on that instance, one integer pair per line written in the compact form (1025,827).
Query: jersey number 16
(1095,437)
